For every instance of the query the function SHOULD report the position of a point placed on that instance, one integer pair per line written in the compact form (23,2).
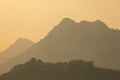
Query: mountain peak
(19,39)
(67,21)
(98,24)
(23,40)
(15,49)
(97,21)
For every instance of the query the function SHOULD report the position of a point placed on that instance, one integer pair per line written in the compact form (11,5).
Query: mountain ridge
(91,41)
(19,46)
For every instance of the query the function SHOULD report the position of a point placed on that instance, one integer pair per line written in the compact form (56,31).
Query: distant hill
(91,41)
(14,50)
(73,70)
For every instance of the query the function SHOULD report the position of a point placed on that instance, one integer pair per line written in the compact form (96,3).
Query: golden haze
(33,19)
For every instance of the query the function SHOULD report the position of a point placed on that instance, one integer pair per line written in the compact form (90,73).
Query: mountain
(14,50)
(72,70)
(91,41)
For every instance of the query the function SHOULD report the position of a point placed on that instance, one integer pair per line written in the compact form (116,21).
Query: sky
(33,19)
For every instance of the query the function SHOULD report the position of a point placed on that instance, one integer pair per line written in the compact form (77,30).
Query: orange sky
(33,19)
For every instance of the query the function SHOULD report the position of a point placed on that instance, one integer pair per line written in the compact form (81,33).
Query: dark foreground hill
(73,70)
(91,41)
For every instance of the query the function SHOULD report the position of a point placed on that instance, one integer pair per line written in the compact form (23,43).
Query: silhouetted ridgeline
(73,70)
(85,40)
(91,41)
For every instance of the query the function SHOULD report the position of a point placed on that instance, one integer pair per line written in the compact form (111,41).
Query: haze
(33,19)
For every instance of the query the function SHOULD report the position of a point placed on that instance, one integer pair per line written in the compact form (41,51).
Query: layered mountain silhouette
(14,50)
(92,41)
(72,70)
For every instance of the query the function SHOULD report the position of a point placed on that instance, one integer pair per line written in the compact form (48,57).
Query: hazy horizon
(34,19)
